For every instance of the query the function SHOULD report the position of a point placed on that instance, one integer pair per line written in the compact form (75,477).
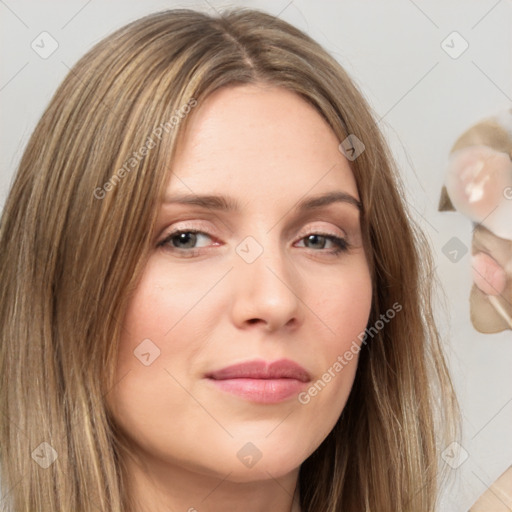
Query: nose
(266,292)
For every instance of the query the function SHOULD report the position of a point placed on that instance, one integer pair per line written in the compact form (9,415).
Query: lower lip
(265,391)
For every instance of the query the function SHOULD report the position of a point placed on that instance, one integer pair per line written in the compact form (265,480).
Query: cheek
(345,305)
(156,348)
(161,310)
(158,304)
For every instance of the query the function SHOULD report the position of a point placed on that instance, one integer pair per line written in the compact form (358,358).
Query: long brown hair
(76,231)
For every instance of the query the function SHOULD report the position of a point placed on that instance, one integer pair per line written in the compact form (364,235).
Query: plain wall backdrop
(423,97)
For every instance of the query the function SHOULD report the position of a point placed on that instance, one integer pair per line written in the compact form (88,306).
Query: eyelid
(188,225)
(337,231)
(205,228)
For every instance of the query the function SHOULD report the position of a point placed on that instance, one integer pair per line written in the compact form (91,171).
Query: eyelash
(341,244)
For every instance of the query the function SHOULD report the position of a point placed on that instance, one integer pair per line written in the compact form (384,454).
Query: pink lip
(259,381)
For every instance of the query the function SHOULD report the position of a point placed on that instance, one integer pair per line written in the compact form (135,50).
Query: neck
(170,488)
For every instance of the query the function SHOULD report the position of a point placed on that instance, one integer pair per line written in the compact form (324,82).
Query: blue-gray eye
(184,239)
(320,240)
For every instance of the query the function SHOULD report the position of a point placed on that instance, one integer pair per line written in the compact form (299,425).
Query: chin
(252,461)
(262,470)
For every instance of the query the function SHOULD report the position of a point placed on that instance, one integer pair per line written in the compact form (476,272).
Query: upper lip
(259,369)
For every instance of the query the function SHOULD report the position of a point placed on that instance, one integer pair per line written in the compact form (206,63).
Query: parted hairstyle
(76,232)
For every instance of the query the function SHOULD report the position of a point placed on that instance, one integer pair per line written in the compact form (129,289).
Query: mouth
(261,382)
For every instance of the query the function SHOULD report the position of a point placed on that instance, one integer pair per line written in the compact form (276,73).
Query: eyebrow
(229,204)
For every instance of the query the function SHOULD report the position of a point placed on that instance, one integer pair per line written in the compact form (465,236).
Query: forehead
(259,140)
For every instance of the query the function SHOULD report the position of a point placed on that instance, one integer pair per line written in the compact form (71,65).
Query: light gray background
(424,99)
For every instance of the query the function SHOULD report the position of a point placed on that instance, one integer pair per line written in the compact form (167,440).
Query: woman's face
(232,358)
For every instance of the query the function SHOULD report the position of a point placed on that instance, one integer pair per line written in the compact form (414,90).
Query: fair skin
(206,307)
